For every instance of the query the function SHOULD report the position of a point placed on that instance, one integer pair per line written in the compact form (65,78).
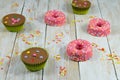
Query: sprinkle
(5,22)
(18,19)
(41,57)
(21,35)
(32,60)
(16,53)
(25,56)
(111,55)
(31,19)
(8,57)
(31,35)
(62,71)
(28,52)
(114,57)
(14,16)
(6,17)
(57,57)
(34,55)
(37,32)
(85,3)
(12,19)
(37,51)
(25,38)
(1,63)
(91,16)
(102,49)
(118,62)
(94,45)
(74,21)
(58,38)
(29,10)
(15,5)
(27,42)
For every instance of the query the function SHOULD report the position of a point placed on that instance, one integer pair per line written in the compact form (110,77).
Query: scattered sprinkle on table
(25,38)
(92,17)
(62,71)
(57,57)
(114,57)
(14,5)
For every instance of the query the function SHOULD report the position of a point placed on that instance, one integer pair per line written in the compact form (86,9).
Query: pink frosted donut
(79,50)
(55,18)
(98,27)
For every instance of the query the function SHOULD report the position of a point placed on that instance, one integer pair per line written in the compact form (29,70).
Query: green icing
(14,29)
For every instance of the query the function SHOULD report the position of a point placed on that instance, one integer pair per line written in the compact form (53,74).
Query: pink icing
(55,18)
(79,50)
(98,27)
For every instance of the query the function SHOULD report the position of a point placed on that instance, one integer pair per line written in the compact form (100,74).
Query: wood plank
(110,13)
(98,67)
(56,48)
(35,30)
(7,38)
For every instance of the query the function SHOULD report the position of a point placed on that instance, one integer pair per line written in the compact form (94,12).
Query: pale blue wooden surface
(99,67)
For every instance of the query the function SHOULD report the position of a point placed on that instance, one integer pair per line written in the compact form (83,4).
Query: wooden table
(36,33)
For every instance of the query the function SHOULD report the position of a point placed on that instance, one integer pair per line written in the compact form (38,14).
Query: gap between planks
(14,44)
(108,42)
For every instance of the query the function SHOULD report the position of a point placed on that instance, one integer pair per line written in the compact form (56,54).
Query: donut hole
(55,16)
(99,24)
(79,46)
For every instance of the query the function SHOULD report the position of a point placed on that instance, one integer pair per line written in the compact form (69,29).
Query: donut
(98,27)
(79,50)
(55,18)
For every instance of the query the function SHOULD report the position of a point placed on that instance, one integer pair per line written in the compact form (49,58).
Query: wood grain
(55,39)
(34,33)
(7,38)
(110,13)
(98,67)
(55,47)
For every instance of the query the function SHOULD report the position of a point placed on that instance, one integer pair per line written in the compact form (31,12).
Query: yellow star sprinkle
(6,18)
